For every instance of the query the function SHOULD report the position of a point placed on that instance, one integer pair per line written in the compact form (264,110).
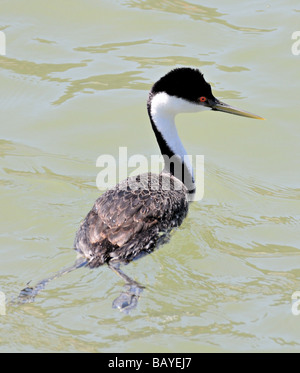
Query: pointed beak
(221,106)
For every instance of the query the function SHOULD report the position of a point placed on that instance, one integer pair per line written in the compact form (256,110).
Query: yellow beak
(221,106)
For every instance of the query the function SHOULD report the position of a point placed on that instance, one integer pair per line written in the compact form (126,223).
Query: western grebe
(137,215)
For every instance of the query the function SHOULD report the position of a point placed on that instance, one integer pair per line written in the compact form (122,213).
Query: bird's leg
(128,299)
(28,294)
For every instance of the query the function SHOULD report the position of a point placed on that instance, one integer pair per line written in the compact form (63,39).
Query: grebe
(137,215)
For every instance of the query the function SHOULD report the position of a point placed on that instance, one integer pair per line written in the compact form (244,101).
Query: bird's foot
(128,299)
(26,295)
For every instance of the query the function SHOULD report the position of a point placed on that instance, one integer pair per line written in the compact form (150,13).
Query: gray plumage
(132,219)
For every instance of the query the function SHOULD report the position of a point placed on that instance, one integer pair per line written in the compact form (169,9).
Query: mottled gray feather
(132,218)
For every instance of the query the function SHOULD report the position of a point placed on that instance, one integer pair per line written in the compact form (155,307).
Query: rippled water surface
(74,85)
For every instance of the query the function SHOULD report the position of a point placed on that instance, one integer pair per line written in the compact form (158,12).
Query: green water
(73,85)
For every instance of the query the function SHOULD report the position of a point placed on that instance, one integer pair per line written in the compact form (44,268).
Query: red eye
(202,99)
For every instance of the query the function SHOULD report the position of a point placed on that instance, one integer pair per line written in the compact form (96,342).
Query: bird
(138,214)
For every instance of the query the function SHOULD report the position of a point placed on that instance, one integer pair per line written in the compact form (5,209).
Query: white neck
(164,108)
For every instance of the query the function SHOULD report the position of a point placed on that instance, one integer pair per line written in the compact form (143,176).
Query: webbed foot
(128,299)
(26,295)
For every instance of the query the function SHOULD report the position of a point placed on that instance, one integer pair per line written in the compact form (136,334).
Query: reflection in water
(99,82)
(147,62)
(44,41)
(126,80)
(41,70)
(196,12)
(108,47)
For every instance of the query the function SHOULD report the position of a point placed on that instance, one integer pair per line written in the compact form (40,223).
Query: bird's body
(132,218)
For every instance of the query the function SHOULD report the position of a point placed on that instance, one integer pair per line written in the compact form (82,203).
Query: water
(74,82)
